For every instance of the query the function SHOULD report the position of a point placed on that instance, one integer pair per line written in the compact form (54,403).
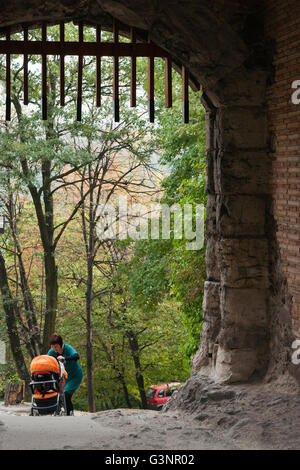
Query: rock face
(262,415)
(225,48)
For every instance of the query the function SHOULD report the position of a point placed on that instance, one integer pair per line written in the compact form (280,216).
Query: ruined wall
(254,277)
(235,340)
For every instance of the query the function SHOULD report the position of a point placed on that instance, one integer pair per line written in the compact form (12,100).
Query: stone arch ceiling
(192,31)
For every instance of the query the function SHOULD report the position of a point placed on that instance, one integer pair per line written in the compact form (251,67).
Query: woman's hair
(56,339)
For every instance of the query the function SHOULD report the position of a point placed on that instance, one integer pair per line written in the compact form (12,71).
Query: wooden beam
(185,94)
(44,74)
(98,68)
(8,79)
(133,70)
(151,87)
(168,82)
(25,63)
(105,49)
(80,69)
(62,63)
(116,102)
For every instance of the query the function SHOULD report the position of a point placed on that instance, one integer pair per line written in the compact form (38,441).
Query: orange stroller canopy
(49,363)
(44,363)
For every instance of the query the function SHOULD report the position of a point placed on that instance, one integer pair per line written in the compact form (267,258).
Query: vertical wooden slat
(116,102)
(62,63)
(98,68)
(168,82)
(25,62)
(151,86)
(185,94)
(44,74)
(8,79)
(133,71)
(79,78)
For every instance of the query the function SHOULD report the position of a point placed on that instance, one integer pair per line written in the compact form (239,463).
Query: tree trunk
(89,341)
(89,239)
(14,393)
(134,347)
(9,306)
(31,333)
(35,341)
(46,228)
(125,390)
(49,249)
(45,223)
(51,298)
(89,302)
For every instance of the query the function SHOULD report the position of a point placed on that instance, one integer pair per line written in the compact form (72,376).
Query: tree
(39,155)
(10,306)
(103,180)
(128,296)
(182,149)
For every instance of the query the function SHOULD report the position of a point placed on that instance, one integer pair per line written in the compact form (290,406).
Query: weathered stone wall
(235,337)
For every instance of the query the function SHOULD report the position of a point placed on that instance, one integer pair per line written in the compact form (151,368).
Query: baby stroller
(47,386)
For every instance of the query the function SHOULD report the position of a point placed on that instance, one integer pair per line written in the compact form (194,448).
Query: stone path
(117,429)
(202,416)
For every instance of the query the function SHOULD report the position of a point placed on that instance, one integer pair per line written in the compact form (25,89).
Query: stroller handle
(43,382)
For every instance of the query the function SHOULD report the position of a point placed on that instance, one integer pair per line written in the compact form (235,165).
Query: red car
(158,395)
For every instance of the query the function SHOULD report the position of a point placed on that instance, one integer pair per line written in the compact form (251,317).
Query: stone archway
(223,45)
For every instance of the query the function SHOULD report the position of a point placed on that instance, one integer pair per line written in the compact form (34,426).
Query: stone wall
(235,337)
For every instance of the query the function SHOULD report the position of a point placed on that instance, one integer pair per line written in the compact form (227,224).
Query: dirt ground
(202,416)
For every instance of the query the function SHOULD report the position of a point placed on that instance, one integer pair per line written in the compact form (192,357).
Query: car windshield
(150,392)
(171,390)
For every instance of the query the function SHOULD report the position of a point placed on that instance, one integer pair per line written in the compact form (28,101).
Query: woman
(65,353)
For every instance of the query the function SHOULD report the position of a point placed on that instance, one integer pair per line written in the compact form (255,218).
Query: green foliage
(7,374)
(144,275)
(165,267)
(156,290)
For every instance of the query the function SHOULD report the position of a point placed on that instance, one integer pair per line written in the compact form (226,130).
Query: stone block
(249,89)
(235,365)
(210,173)
(240,215)
(243,172)
(243,262)
(241,127)
(211,215)
(211,299)
(244,308)
(211,259)
(236,337)
(209,332)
